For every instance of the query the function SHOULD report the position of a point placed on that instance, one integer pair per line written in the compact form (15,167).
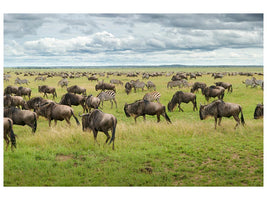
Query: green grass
(188,152)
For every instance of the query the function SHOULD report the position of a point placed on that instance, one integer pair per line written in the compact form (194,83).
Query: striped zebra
(152,96)
(107,95)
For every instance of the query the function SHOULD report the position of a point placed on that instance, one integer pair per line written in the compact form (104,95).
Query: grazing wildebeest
(22,117)
(92,78)
(217,76)
(213,91)
(143,108)
(258,113)
(73,99)
(152,96)
(108,95)
(63,82)
(33,103)
(182,97)
(47,90)
(150,84)
(11,90)
(219,109)
(76,89)
(172,84)
(137,84)
(227,86)
(115,81)
(13,101)
(9,133)
(198,85)
(100,121)
(105,86)
(22,91)
(192,75)
(128,87)
(54,111)
(92,102)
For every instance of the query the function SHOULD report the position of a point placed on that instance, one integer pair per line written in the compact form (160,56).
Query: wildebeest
(100,121)
(105,86)
(150,84)
(198,85)
(258,113)
(76,89)
(227,86)
(219,109)
(53,111)
(128,87)
(11,90)
(182,97)
(34,102)
(115,81)
(22,117)
(92,102)
(47,90)
(143,108)
(9,133)
(137,84)
(22,91)
(92,78)
(152,96)
(63,82)
(213,91)
(172,84)
(73,99)
(217,75)
(13,101)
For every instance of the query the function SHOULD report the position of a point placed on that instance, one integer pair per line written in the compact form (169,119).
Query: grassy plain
(188,152)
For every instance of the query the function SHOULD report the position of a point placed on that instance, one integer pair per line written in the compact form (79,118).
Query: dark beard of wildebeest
(73,99)
(53,111)
(22,117)
(198,85)
(105,86)
(76,90)
(9,133)
(219,109)
(142,108)
(213,91)
(47,90)
(99,121)
(92,102)
(258,113)
(227,86)
(182,97)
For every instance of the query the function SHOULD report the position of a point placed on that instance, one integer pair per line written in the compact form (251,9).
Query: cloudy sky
(132,39)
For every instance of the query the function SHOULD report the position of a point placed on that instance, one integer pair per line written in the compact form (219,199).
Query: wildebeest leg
(220,119)
(237,120)
(67,120)
(7,140)
(179,106)
(49,122)
(55,122)
(95,136)
(135,118)
(215,121)
(158,117)
(108,136)
(144,117)
(111,103)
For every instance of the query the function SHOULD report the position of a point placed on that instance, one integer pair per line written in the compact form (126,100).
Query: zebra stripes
(152,96)
(108,95)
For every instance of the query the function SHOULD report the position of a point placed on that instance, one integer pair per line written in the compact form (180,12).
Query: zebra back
(152,96)
(106,95)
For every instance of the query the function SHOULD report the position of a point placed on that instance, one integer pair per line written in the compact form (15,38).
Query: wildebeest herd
(19,111)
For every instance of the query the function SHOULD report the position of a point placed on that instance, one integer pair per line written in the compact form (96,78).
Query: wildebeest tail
(242,117)
(35,122)
(77,121)
(113,131)
(166,116)
(12,135)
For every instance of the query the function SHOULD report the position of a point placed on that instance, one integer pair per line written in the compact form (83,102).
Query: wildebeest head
(202,113)
(171,106)
(258,113)
(126,110)
(44,109)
